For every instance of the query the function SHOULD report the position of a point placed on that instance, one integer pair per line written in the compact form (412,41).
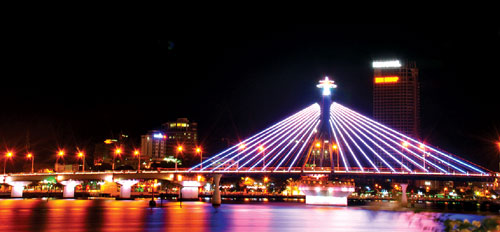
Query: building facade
(175,140)
(153,145)
(396,96)
(181,133)
(396,100)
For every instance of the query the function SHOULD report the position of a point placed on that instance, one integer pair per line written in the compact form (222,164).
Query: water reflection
(135,215)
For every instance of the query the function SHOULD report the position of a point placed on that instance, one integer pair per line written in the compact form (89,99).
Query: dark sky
(235,80)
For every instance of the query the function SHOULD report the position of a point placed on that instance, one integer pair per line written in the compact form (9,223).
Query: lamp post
(334,147)
(262,149)
(32,158)
(60,154)
(199,151)
(7,156)
(118,151)
(405,146)
(179,150)
(241,147)
(81,155)
(422,147)
(136,153)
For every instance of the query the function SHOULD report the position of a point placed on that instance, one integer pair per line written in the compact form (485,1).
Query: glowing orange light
(179,178)
(261,148)
(242,146)
(136,152)
(108,141)
(9,154)
(80,154)
(61,153)
(422,146)
(266,179)
(29,155)
(334,147)
(198,150)
(405,144)
(389,79)
(118,151)
(445,189)
(318,144)
(199,178)
(179,148)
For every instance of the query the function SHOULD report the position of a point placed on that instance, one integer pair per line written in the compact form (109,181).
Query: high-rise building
(396,98)
(181,133)
(396,101)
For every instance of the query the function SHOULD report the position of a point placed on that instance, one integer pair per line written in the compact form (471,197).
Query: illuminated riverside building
(396,98)
(153,145)
(181,133)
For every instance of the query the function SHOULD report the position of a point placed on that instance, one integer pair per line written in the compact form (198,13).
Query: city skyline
(239,92)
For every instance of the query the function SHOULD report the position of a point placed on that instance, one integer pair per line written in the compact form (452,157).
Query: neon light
(282,128)
(252,138)
(386,152)
(348,147)
(394,149)
(279,145)
(344,122)
(326,84)
(158,136)
(346,164)
(295,138)
(361,117)
(386,64)
(306,121)
(356,144)
(304,145)
(417,142)
(293,148)
(391,79)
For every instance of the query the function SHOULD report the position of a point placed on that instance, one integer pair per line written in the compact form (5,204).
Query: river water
(135,215)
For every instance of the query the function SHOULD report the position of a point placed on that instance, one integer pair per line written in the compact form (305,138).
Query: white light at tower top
(386,64)
(326,84)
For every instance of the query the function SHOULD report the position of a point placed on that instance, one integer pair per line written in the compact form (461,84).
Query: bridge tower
(320,152)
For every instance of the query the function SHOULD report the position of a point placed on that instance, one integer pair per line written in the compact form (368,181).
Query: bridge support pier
(216,199)
(404,198)
(189,189)
(69,188)
(18,188)
(126,187)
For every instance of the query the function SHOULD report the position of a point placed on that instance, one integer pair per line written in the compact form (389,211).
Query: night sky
(235,80)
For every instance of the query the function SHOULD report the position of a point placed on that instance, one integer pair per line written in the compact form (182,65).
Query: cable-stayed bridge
(334,138)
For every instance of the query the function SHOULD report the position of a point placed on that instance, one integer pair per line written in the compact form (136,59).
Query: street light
(118,151)
(405,146)
(60,154)
(334,147)
(136,153)
(422,147)
(32,158)
(8,155)
(81,155)
(179,149)
(198,150)
(261,149)
(241,147)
